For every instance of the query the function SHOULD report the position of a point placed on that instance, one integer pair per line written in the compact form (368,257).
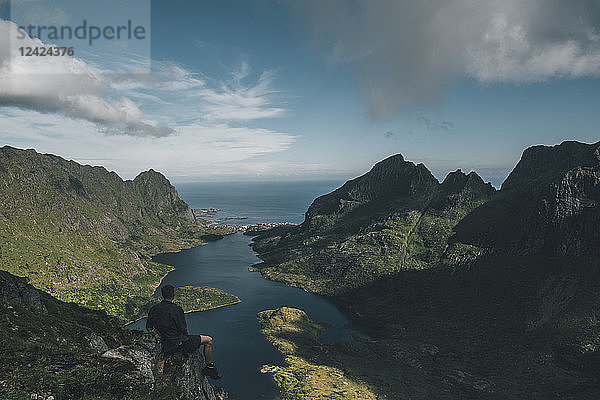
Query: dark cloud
(432,125)
(407,53)
(447,125)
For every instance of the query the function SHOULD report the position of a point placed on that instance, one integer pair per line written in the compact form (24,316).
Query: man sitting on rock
(168,319)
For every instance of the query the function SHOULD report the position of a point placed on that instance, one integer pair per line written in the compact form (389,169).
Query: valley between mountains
(466,291)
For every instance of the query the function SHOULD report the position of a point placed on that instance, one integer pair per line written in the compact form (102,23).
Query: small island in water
(192,298)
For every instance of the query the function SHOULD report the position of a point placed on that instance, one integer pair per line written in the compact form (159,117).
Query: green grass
(48,354)
(204,298)
(84,235)
(340,259)
(306,375)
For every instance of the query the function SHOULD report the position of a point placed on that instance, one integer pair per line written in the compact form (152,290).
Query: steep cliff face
(159,197)
(395,217)
(52,349)
(84,234)
(549,204)
(390,179)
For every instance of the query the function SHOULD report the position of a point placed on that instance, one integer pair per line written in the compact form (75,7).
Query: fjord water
(240,349)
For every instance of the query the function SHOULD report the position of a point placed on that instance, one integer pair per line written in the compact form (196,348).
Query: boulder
(15,291)
(183,371)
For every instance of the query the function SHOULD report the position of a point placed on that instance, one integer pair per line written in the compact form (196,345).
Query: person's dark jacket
(168,319)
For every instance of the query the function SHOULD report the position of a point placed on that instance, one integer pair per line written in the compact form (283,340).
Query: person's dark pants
(190,345)
(187,346)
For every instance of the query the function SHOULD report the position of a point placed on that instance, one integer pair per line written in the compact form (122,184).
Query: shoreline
(248,230)
(188,312)
(171,269)
(155,288)
(215,308)
(198,243)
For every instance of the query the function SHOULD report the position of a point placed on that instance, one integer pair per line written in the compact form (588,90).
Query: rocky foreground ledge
(140,356)
(54,350)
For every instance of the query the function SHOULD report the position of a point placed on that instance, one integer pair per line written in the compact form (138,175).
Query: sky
(317,89)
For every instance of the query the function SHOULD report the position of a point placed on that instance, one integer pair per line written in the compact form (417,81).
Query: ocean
(256,202)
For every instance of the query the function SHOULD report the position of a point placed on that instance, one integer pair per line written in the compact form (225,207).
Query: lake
(240,349)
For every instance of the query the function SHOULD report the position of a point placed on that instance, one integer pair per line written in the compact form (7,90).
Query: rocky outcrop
(184,372)
(74,341)
(549,204)
(463,190)
(395,183)
(17,292)
(389,179)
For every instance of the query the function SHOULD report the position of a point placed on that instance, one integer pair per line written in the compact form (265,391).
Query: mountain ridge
(86,237)
(83,234)
(466,291)
(547,204)
(403,223)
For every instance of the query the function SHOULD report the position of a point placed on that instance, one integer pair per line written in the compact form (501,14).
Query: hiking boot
(211,371)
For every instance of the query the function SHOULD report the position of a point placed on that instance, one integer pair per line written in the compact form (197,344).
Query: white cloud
(65,85)
(408,52)
(174,120)
(233,100)
(170,97)
(195,150)
(236,102)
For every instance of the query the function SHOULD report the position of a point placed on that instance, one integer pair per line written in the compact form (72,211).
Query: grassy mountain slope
(83,234)
(395,217)
(46,349)
(298,338)
(53,349)
(489,296)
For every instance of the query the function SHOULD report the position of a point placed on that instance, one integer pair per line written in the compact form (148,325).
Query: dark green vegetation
(192,298)
(50,352)
(468,292)
(83,234)
(397,217)
(86,236)
(204,298)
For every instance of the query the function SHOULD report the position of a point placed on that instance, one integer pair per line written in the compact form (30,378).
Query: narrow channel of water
(240,349)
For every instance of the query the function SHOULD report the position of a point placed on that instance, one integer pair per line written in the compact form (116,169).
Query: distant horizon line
(495,180)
